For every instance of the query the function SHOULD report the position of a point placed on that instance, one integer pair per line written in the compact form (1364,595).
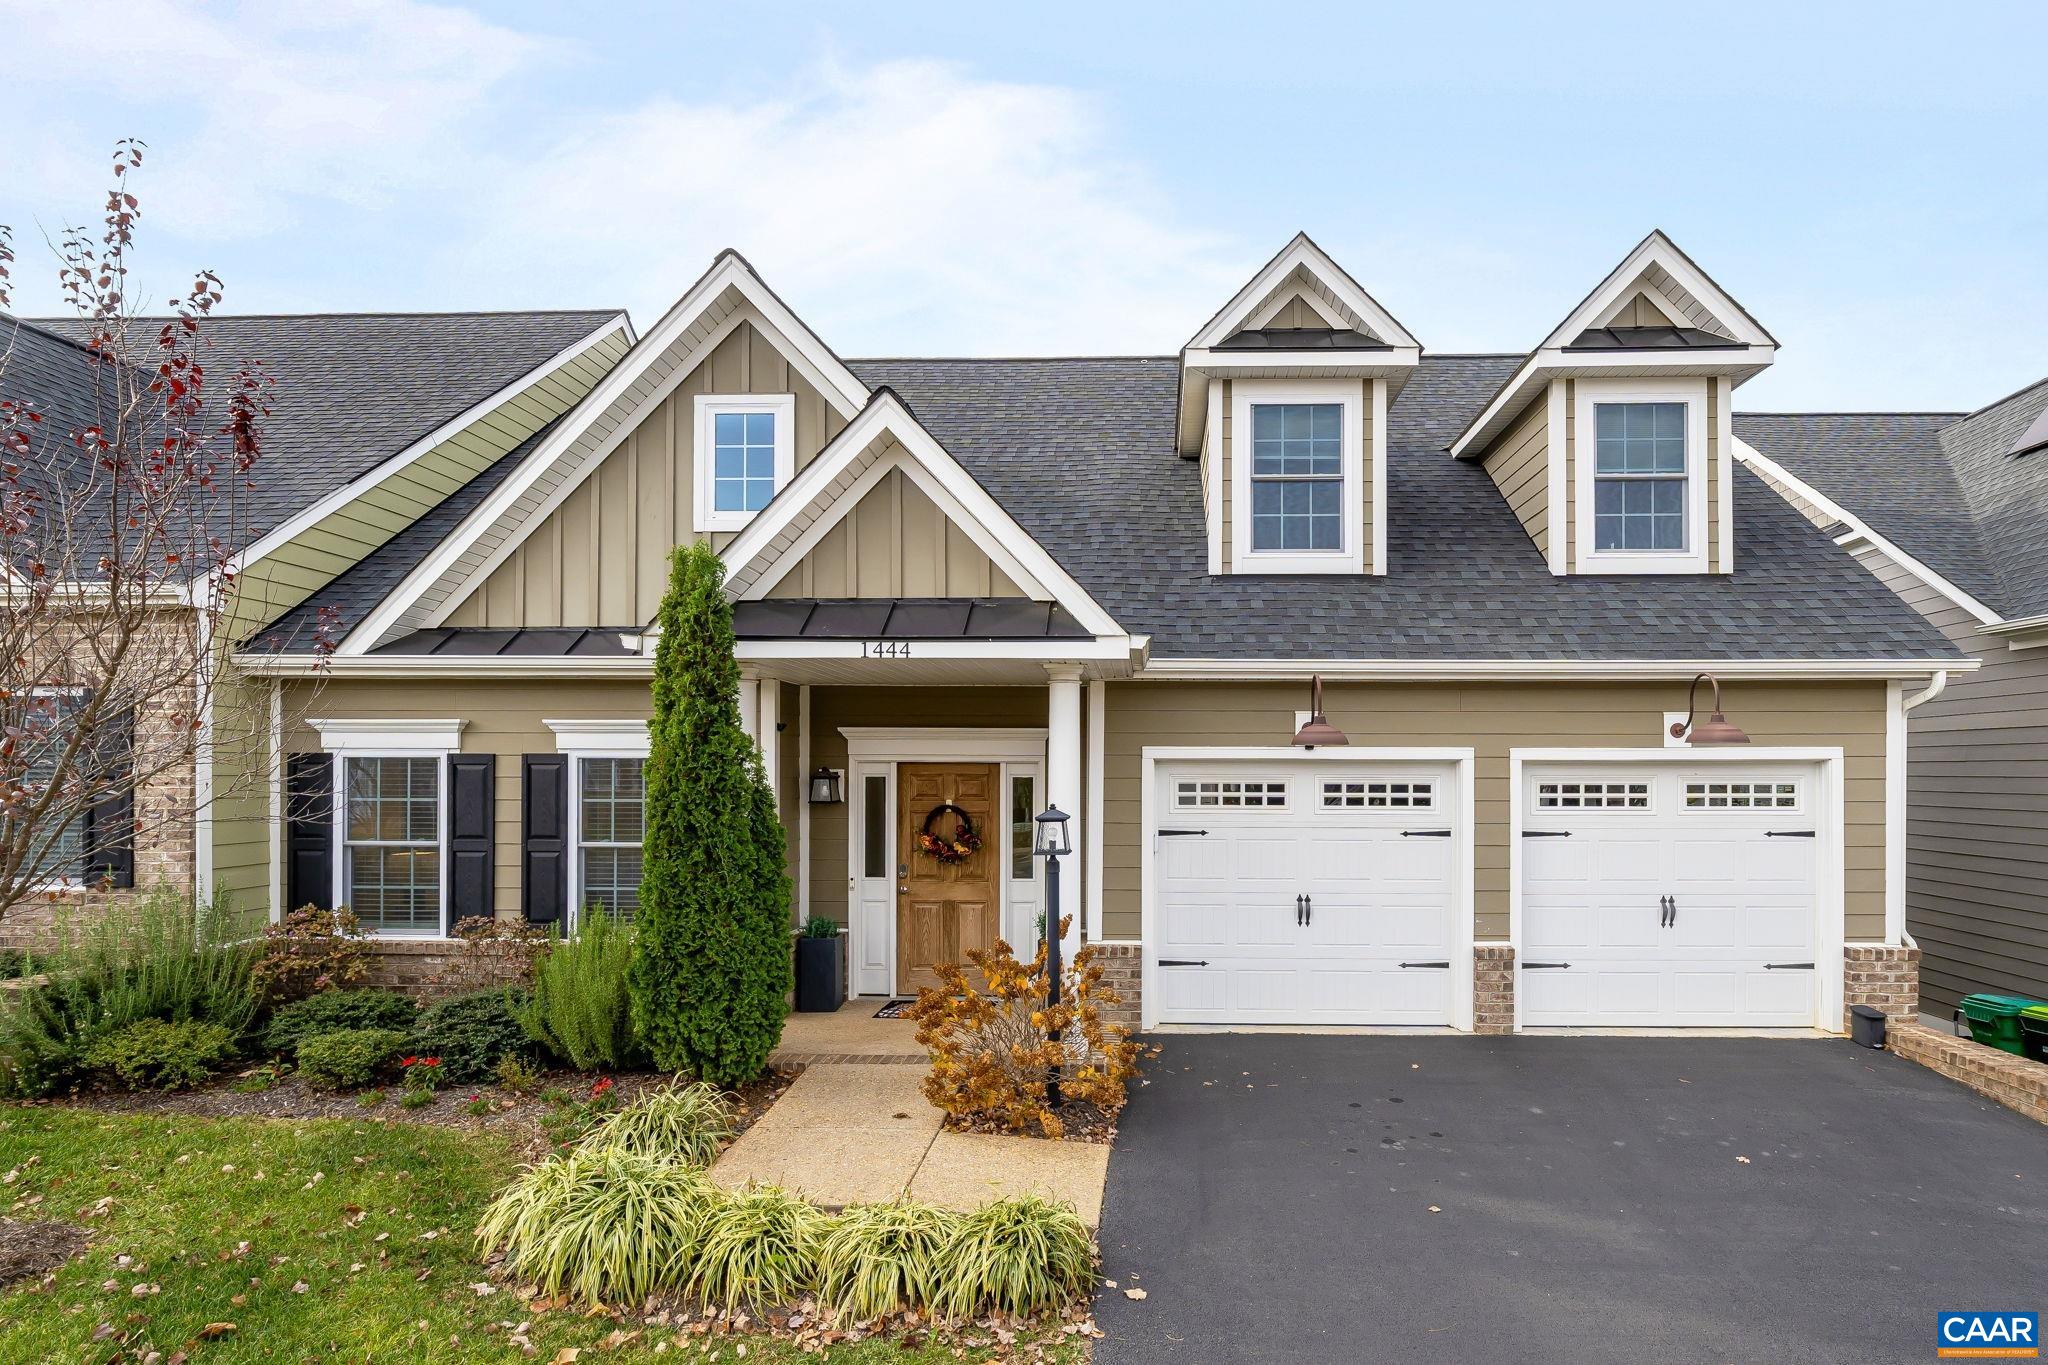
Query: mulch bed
(1083,1123)
(516,1117)
(29,1251)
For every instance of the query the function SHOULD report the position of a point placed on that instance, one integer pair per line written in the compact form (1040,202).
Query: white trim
(1117,649)
(1592,394)
(1301,252)
(275,799)
(575,845)
(308,517)
(601,738)
(1584,670)
(1895,795)
(1065,785)
(803,808)
(1928,693)
(1556,456)
(390,738)
(202,765)
(339,816)
(1092,824)
(1724,461)
(1212,453)
(1056,649)
(708,408)
(1464,905)
(1861,530)
(615,390)
(768,735)
(1280,300)
(1830,897)
(941,477)
(1349,557)
(1378,389)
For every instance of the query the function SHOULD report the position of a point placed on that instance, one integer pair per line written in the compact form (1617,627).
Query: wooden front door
(944,909)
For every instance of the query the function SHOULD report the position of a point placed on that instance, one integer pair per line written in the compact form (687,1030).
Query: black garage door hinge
(1176,833)
(1425,834)
(1788,966)
(1546,834)
(1181,962)
(1445,965)
(1533,965)
(1789,834)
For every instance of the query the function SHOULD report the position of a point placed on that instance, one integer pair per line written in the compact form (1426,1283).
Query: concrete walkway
(856,1128)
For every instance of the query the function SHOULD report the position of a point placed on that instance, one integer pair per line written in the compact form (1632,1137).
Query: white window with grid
(391,824)
(1569,795)
(1379,794)
(746,452)
(1229,794)
(1741,795)
(611,820)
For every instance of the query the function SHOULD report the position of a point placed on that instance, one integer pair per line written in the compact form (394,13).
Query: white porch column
(750,704)
(1063,787)
(767,715)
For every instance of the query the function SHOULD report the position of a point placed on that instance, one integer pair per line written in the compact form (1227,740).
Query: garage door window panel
(1379,794)
(1230,794)
(1742,795)
(1577,794)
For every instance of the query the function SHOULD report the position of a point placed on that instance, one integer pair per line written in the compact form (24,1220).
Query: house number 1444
(885,649)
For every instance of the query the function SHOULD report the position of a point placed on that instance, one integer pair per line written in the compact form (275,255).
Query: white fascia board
(837,383)
(440,666)
(1052,650)
(1535,670)
(1550,363)
(939,476)
(1659,250)
(307,518)
(2029,632)
(601,738)
(385,736)
(1304,254)
(1397,363)
(1859,530)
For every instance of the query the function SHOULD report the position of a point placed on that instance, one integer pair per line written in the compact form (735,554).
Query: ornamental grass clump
(758,1248)
(878,1259)
(992,1047)
(682,1122)
(1015,1256)
(604,1225)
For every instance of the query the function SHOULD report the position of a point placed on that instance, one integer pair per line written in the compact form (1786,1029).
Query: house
(1950,511)
(968,589)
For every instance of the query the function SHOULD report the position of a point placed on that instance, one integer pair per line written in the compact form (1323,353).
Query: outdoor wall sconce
(825,788)
(1715,729)
(1318,731)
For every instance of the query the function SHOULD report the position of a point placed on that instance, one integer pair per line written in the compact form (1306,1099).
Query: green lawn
(321,1239)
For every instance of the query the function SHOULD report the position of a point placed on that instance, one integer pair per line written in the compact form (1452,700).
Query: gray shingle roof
(354,389)
(1945,487)
(1081,452)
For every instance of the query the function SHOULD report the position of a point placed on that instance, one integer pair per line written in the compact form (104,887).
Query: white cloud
(906,207)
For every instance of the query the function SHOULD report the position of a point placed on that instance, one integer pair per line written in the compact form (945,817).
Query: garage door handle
(1444,965)
(1533,965)
(1425,834)
(1308,910)
(1180,833)
(1668,912)
(1789,834)
(1297,911)
(1788,966)
(1546,834)
(1181,962)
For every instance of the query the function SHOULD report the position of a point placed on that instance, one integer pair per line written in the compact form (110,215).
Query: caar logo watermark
(1988,1336)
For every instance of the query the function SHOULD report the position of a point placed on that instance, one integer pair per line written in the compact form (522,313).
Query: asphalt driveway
(1315,1198)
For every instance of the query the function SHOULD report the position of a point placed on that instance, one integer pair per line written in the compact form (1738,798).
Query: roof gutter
(2029,632)
(1538,670)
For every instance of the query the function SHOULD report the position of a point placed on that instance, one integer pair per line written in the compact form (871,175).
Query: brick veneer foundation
(1493,988)
(2014,1082)
(1122,972)
(1883,977)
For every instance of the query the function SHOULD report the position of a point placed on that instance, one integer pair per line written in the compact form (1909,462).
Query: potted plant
(820,980)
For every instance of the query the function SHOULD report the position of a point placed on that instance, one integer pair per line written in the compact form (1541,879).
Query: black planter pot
(820,985)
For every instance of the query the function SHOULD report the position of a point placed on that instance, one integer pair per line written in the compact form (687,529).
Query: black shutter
(544,829)
(108,855)
(472,824)
(308,831)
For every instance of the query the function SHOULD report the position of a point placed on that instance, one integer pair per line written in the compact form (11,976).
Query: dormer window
(1640,484)
(746,452)
(1297,476)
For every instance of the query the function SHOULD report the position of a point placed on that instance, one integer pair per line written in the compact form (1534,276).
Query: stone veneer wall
(2015,1082)
(1493,988)
(1122,972)
(1883,977)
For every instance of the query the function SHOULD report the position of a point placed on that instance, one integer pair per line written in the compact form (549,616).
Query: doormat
(894,1009)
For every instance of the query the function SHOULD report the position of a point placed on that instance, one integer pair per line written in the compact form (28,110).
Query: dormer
(1612,441)
(1283,399)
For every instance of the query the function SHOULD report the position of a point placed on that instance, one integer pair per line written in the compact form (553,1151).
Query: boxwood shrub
(348,1058)
(160,1054)
(333,1011)
(471,1034)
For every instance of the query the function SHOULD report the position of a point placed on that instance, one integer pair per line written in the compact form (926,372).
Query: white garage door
(1659,896)
(1296,892)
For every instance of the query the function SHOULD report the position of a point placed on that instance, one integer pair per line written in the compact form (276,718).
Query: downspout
(1934,688)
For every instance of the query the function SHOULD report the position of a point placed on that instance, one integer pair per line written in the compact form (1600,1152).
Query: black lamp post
(1052,845)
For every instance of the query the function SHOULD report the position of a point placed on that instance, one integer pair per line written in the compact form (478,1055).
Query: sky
(1870,180)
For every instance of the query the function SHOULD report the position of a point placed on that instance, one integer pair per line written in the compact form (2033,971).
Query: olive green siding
(1491,718)
(896,542)
(600,558)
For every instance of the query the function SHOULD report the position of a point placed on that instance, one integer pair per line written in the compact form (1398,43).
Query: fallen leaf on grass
(568,1355)
(482,1290)
(300,1287)
(215,1329)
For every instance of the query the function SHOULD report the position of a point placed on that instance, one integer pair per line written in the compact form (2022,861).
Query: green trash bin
(1995,1020)
(2034,1032)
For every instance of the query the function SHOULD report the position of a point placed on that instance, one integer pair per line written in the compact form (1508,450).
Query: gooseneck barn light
(1715,729)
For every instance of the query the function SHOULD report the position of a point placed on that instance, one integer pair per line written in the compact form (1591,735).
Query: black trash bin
(1866,1026)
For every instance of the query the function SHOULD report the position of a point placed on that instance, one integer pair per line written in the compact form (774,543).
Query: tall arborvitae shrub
(713,963)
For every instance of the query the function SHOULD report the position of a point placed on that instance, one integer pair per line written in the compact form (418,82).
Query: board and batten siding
(1520,466)
(1976,812)
(895,542)
(600,557)
(1491,718)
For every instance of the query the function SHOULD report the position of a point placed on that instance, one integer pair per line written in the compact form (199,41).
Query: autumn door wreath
(963,843)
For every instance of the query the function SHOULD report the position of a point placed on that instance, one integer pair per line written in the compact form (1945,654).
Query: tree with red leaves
(126,466)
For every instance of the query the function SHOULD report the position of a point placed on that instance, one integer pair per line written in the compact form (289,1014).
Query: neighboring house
(1950,510)
(973,588)
(376,418)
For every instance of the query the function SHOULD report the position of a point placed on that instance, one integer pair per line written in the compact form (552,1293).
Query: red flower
(430,1061)
(407,1061)
(603,1085)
